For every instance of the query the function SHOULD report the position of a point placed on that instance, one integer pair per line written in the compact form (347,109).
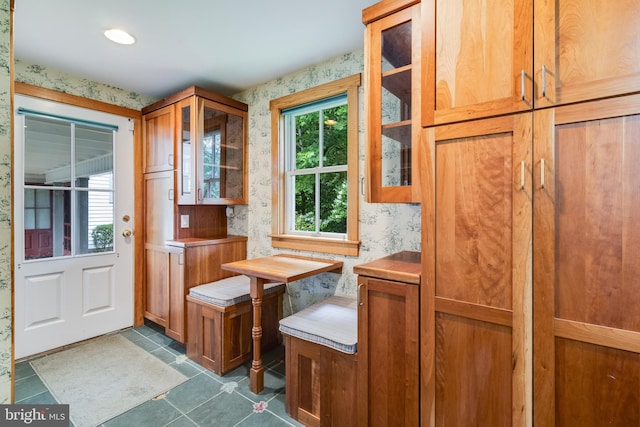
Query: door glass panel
(58,208)
(93,156)
(47,231)
(47,151)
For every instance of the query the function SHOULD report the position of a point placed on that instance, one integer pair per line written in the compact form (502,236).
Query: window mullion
(320,167)
(317,199)
(74,196)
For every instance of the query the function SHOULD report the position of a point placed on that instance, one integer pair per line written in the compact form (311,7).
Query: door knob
(127,232)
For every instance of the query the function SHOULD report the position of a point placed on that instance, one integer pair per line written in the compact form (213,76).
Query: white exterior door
(73,214)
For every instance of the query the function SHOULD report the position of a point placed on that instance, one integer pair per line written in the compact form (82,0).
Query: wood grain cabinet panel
(476,319)
(483,59)
(586,270)
(194,262)
(477,59)
(388,330)
(585,50)
(158,128)
(158,227)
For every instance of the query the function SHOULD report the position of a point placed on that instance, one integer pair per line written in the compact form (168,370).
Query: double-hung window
(315,155)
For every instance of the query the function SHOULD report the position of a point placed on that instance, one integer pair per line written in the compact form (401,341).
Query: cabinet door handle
(360,303)
(170,195)
(199,193)
(544,81)
(170,159)
(522,77)
(522,175)
(541,173)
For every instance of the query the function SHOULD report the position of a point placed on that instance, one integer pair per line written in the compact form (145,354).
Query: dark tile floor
(205,399)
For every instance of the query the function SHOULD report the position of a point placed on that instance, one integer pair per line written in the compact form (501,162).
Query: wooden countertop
(401,267)
(203,241)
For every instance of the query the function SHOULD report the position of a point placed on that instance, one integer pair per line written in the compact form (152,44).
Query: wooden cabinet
(586,270)
(181,120)
(158,131)
(211,151)
(477,59)
(491,58)
(194,262)
(585,50)
(476,313)
(392,55)
(535,247)
(209,133)
(529,190)
(158,227)
(388,358)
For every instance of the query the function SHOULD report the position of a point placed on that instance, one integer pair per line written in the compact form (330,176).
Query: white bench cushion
(332,323)
(229,291)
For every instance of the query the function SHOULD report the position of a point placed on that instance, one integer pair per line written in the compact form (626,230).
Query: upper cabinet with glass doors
(210,147)
(211,152)
(392,68)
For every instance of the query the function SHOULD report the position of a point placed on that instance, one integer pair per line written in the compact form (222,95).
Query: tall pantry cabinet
(586,264)
(530,185)
(158,166)
(194,160)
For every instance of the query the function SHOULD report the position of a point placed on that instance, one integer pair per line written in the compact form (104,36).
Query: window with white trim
(315,143)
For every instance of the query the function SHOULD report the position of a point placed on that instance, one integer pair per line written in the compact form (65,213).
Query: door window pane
(47,227)
(68,206)
(47,151)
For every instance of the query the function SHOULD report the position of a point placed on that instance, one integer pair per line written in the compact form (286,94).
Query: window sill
(316,244)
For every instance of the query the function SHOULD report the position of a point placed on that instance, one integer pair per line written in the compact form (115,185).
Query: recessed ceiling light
(119,36)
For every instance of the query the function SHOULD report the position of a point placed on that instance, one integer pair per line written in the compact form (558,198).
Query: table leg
(256,375)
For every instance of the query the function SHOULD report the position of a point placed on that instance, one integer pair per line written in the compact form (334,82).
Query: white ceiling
(222,45)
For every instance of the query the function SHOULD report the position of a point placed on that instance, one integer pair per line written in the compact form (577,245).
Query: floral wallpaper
(384,228)
(5,204)
(44,77)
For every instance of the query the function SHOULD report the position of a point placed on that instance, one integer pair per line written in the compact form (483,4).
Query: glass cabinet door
(211,140)
(221,154)
(185,118)
(395,108)
(393,75)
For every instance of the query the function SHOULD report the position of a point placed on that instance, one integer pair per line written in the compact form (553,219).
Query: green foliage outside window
(333,184)
(103,237)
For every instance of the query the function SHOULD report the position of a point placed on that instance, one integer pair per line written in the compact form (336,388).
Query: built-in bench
(321,362)
(220,319)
